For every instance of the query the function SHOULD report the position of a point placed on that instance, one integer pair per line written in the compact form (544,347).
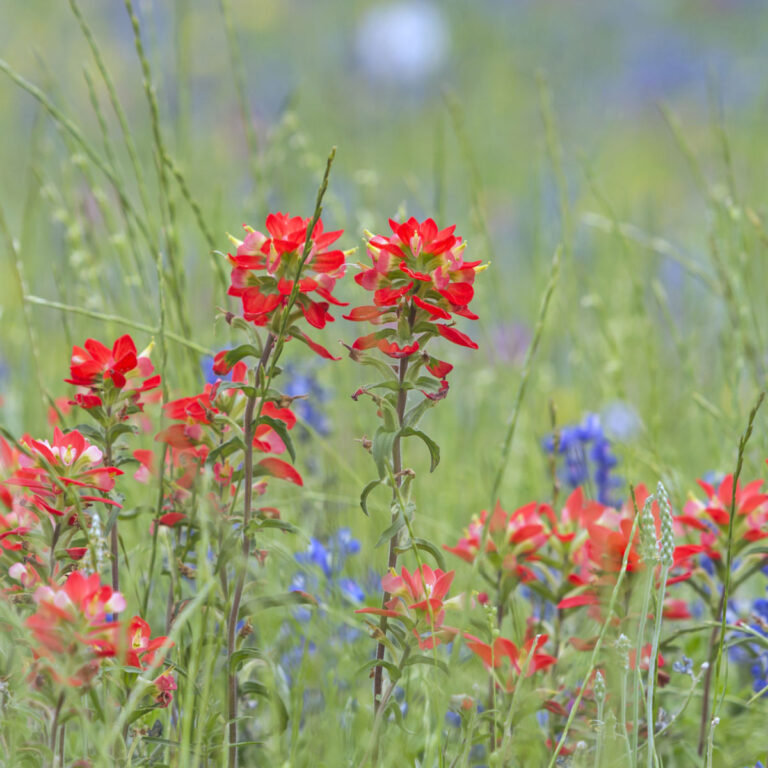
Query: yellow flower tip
(460,248)
(368,233)
(349,252)
(248,228)
(482,267)
(237,243)
(148,349)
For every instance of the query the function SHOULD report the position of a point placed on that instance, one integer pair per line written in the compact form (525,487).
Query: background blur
(525,123)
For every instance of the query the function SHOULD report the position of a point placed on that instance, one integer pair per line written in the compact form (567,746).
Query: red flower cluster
(108,376)
(600,557)
(709,518)
(199,431)
(73,633)
(265,269)
(524,660)
(419,280)
(514,539)
(417,600)
(70,462)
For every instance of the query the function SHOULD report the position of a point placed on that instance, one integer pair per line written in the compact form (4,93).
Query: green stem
(652,666)
(636,681)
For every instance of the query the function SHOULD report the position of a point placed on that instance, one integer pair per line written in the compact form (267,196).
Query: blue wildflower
(588,457)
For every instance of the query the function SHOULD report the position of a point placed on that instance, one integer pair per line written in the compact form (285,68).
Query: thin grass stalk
(18,277)
(162,334)
(198,213)
(727,584)
(554,274)
(251,139)
(112,160)
(263,376)
(107,318)
(61,119)
(650,720)
(176,283)
(598,643)
(130,146)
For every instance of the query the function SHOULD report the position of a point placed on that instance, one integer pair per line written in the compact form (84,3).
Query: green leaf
(260,524)
(238,353)
(94,435)
(364,495)
(248,390)
(282,430)
(392,530)
(243,655)
(428,383)
(434,448)
(254,688)
(386,370)
(413,415)
(427,546)
(394,672)
(381,449)
(119,429)
(232,445)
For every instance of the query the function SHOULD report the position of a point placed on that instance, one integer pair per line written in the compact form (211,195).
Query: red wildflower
(527,658)
(514,538)
(264,271)
(417,598)
(105,372)
(418,276)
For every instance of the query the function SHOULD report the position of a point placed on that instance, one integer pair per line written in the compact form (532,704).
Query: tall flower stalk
(420,281)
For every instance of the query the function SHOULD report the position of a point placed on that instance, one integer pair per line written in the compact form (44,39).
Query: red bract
(710,517)
(417,599)
(525,659)
(418,276)
(141,647)
(111,373)
(165,685)
(70,625)
(265,269)
(70,461)
(514,538)
(598,558)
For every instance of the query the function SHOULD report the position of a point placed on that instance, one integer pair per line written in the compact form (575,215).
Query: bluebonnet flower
(753,653)
(303,384)
(324,562)
(588,457)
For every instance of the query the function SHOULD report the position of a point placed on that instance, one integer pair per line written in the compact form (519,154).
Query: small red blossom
(111,374)
(526,659)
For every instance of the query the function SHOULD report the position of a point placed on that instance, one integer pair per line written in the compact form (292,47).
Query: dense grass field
(192,571)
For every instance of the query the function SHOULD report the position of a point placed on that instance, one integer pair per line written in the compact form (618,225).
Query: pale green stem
(652,666)
(636,682)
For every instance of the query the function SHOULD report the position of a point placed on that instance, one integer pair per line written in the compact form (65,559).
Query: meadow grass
(116,223)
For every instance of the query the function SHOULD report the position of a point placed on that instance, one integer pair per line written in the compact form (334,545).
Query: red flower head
(69,461)
(71,628)
(525,659)
(514,538)
(419,281)
(109,374)
(710,517)
(265,269)
(417,599)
